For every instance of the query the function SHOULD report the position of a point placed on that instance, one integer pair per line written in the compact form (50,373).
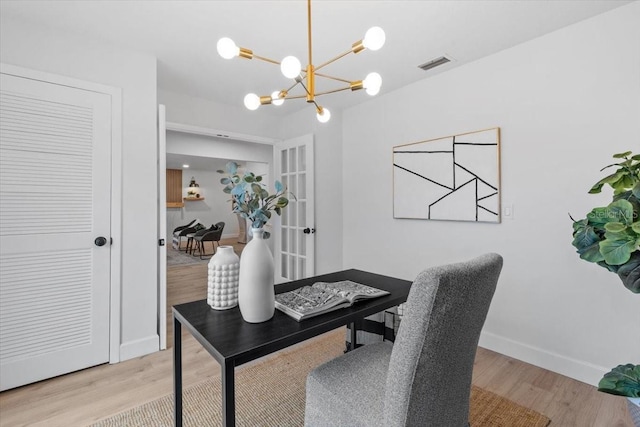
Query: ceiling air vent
(434,63)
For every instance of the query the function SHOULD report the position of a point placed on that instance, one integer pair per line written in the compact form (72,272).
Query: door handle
(309,230)
(100,241)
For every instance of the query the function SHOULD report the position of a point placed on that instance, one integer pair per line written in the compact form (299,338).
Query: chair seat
(352,385)
(424,378)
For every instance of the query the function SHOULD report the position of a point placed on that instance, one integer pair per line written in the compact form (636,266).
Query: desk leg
(228,394)
(354,333)
(177,373)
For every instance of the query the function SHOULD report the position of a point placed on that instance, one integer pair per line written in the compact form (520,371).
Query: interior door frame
(203,131)
(115,251)
(162,226)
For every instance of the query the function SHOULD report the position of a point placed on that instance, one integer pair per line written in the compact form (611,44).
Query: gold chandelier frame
(374,39)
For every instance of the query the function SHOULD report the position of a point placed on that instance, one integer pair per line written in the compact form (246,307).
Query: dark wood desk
(232,341)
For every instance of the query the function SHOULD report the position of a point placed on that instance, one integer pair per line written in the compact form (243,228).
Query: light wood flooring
(80,398)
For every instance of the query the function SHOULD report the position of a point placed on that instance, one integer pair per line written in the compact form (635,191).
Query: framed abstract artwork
(453,178)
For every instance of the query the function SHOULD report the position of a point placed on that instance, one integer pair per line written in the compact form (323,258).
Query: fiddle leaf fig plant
(610,235)
(623,380)
(250,198)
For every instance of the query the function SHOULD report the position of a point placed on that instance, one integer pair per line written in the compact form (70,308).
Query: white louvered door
(55,145)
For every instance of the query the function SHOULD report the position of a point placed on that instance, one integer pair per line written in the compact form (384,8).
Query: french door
(55,229)
(295,238)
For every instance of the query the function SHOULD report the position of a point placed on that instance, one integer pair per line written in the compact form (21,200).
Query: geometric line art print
(454,178)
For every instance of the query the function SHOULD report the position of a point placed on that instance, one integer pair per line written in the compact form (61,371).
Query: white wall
(217,148)
(328,182)
(188,110)
(565,103)
(39,48)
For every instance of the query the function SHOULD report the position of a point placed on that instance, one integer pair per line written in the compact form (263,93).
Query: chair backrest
(429,378)
(182,227)
(215,234)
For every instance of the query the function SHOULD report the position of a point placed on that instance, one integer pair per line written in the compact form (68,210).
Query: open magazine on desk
(323,297)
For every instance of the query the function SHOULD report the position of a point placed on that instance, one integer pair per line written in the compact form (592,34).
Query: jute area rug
(272,393)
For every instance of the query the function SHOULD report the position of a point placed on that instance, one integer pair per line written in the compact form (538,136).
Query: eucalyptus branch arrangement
(610,235)
(250,198)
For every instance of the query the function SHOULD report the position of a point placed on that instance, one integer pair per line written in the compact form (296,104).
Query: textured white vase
(224,270)
(256,295)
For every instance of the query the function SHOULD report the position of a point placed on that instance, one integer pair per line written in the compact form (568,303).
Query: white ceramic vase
(224,269)
(256,295)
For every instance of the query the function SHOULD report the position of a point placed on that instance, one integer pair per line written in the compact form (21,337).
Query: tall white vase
(256,296)
(223,270)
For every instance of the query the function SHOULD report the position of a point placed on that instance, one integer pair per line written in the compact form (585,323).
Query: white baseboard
(572,368)
(229,236)
(140,347)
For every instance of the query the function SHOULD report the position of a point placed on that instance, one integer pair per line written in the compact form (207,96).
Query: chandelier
(291,67)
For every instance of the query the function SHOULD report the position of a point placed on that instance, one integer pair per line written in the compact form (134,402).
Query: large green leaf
(611,268)
(584,236)
(598,217)
(622,155)
(610,179)
(620,211)
(578,225)
(636,190)
(629,273)
(623,380)
(591,253)
(615,227)
(617,248)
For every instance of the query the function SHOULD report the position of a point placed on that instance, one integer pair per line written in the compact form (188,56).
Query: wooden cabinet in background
(174,188)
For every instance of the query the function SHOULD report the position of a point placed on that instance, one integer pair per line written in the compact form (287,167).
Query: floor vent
(435,63)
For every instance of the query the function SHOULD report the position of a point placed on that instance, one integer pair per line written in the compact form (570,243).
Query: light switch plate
(507,211)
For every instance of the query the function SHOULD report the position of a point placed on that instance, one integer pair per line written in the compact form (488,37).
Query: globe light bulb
(374,38)
(290,67)
(227,48)
(324,116)
(372,83)
(252,101)
(275,98)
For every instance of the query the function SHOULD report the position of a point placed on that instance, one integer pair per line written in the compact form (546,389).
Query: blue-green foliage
(250,197)
(623,380)
(610,235)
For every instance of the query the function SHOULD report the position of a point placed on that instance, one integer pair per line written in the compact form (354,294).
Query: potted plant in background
(610,237)
(251,199)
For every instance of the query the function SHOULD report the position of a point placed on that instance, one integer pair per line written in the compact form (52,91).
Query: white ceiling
(183,36)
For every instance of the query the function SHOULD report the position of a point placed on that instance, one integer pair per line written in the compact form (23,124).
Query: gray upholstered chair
(213,235)
(182,231)
(424,378)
